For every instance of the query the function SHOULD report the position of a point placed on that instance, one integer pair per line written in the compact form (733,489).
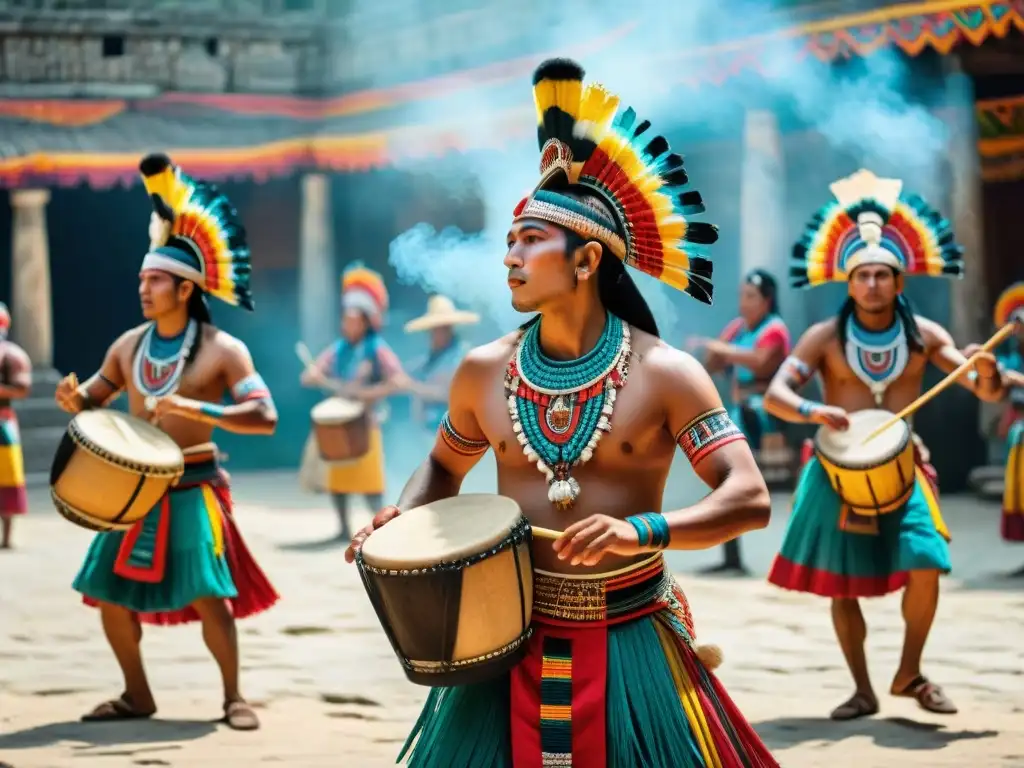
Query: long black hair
(904,311)
(198,310)
(615,288)
(766,285)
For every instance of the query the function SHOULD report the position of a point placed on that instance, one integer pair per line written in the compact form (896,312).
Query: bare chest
(201,379)
(856,389)
(637,435)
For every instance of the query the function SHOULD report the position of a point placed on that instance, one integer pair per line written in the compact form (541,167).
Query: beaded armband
(807,408)
(252,387)
(461,445)
(799,372)
(706,434)
(211,410)
(651,529)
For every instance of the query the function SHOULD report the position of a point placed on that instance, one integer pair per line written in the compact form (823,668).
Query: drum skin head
(336,410)
(443,530)
(129,438)
(848,448)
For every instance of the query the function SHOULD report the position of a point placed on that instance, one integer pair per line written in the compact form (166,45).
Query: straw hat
(441,313)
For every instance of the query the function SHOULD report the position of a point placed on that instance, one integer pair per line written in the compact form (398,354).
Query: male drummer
(15,384)
(872,355)
(611,661)
(431,374)
(185,561)
(359,366)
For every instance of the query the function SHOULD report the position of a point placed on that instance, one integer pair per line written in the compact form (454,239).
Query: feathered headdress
(872,221)
(585,141)
(1009,305)
(364,289)
(196,233)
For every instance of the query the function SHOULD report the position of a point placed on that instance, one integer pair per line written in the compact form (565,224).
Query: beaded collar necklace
(560,409)
(877,357)
(159,363)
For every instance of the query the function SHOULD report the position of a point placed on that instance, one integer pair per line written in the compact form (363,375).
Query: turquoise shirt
(437,369)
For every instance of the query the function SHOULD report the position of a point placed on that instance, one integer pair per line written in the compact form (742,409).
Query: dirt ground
(331,693)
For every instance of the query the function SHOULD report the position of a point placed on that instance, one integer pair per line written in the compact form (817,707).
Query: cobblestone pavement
(331,693)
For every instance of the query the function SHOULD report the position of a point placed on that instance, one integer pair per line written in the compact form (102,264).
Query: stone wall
(122,47)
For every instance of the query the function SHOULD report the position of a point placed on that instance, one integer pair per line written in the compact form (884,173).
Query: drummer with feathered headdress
(871,358)
(360,365)
(585,407)
(185,561)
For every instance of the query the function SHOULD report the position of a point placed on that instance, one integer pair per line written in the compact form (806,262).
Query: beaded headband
(586,142)
(872,221)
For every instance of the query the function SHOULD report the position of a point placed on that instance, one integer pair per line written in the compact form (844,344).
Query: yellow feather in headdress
(558,87)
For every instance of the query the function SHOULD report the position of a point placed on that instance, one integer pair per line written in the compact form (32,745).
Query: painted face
(353,325)
(753,306)
(874,287)
(538,270)
(160,293)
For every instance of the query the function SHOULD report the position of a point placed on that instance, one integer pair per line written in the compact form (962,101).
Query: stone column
(31,310)
(762,201)
(318,281)
(970,304)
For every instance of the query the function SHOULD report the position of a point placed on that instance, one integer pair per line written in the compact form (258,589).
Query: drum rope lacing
(119,461)
(520,532)
(560,409)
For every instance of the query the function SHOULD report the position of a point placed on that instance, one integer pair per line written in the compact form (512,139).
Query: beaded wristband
(651,529)
(806,408)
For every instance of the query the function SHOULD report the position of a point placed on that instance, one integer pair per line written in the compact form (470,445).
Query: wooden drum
(871,478)
(111,469)
(342,429)
(452,583)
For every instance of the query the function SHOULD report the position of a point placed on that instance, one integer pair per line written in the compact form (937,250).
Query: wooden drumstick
(305,355)
(995,341)
(545,533)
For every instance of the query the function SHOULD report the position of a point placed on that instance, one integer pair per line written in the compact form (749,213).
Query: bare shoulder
(933,334)
(224,342)
(16,354)
(672,371)
(488,359)
(821,333)
(125,343)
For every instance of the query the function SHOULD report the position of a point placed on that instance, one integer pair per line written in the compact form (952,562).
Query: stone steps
(42,425)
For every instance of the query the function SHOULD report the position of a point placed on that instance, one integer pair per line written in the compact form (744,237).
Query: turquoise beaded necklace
(560,409)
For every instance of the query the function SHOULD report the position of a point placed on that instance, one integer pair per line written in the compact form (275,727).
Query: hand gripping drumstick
(545,533)
(309,361)
(305,355)
(995,341)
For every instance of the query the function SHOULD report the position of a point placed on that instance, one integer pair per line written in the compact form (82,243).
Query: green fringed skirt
(595,694)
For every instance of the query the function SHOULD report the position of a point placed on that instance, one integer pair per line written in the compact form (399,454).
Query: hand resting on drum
(384,516)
